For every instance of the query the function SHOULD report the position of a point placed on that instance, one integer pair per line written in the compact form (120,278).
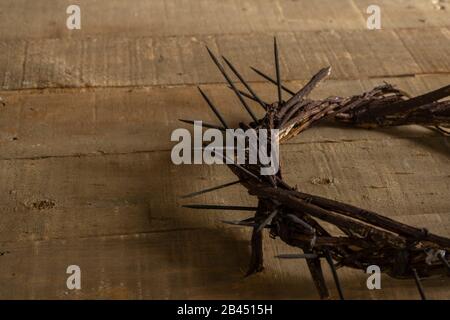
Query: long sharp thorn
(419,284)
(246,171)
(267,220)
(236,223)
(239,223)
(231,162)
(249,96)
(297,256)
(315,269)
(296,219)
(240,167)
(277,71)
(218,207)
(249,221)
(193,194)
(213,108)
(265,76)
(204,124)
(255,96)
(245,94)
(222,70)
(334,272)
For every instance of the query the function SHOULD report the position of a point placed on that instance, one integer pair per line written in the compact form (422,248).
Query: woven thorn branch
(400,250)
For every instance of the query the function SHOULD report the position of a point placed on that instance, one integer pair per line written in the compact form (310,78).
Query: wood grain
(85,169)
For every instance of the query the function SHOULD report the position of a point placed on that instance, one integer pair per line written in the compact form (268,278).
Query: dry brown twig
(400,250)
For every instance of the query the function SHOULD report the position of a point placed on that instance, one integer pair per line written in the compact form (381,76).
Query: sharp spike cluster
(253,96)
(227,78)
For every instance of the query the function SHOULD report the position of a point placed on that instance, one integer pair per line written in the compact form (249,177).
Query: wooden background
(85,123)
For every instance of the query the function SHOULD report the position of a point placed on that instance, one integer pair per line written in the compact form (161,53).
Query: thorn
(277,71)
(193,194)
(213,108)
(335,275)
(297,256)
(231,162)
(257,255)
(315,268)
(245,94)
(222,70)
(253,94)
(218,207)
(204,124)
(246,171)
(419,284)
(272,81)
(296,219)
(242,223)
(267,220)
(238,223)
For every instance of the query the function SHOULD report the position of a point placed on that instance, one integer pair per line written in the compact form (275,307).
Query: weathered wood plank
(68,122)
(86,172)
(430,48)
(102,195)
(408,13)
(115,62)
(47,19)
(207,263)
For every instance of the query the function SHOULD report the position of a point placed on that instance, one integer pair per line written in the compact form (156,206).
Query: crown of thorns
(366,238)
